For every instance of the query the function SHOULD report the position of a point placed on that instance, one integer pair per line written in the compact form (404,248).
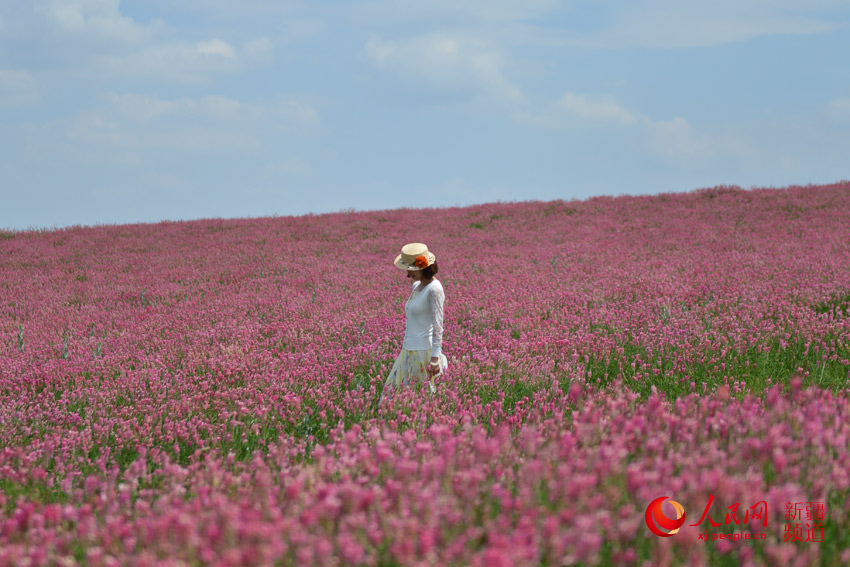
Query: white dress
(423,338)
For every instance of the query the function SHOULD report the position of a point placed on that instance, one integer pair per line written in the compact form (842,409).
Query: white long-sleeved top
(424,311)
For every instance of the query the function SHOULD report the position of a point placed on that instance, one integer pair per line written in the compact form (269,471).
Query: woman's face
(415,275)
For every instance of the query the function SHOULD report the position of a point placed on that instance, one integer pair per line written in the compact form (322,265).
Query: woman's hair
(430,271)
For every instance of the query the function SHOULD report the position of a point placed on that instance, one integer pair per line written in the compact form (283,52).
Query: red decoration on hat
(421,262)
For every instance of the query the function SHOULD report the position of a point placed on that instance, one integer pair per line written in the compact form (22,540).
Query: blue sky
(145,110)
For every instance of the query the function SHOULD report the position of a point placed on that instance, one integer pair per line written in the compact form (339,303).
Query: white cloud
(17,88)
(95,19)
(146,108)
(101,129)
(673,139)
(258,48)
(96,127)
(106,43)
(216,47)
(574,108)
(649,23)
(697,23)
(186,62)
(447,63)
(380,51)
(294,111)
(133,126)
(602,109)
(458,11)
(838,108)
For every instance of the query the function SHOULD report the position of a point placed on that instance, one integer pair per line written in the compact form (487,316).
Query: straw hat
(410,253)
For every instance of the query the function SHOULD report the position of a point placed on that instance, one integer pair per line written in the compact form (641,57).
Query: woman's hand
(434,367)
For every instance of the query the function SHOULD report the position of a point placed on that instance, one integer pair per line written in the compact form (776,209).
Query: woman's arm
(437,299)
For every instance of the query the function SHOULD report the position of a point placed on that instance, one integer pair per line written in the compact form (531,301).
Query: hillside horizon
(345,211)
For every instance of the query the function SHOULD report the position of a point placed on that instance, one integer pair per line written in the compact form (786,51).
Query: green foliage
(758,367)
(836,537)
(839,305)
(125,456)
(32,490)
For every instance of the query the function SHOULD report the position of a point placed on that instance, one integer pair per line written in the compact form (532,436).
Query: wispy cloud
(589,108)
(186,62)
(216,47)
(696,23)
(668,139)
(105,42)
(838,108)
(576,108)
(450,63)
(451,12)
(145,107)
(17,88)
(133,127)
(676,140)
(95,20)
(646,23)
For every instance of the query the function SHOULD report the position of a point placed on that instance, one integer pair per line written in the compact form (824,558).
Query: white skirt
(411,368)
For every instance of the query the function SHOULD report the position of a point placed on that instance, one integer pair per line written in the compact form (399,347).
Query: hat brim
(402,266)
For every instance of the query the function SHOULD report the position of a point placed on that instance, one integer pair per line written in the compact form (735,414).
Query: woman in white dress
(421,358)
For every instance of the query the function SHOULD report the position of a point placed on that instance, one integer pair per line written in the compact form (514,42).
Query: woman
(421,358)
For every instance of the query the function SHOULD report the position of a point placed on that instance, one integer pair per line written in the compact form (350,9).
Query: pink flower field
(206,392)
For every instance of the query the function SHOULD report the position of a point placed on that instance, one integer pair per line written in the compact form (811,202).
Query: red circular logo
(658,522)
